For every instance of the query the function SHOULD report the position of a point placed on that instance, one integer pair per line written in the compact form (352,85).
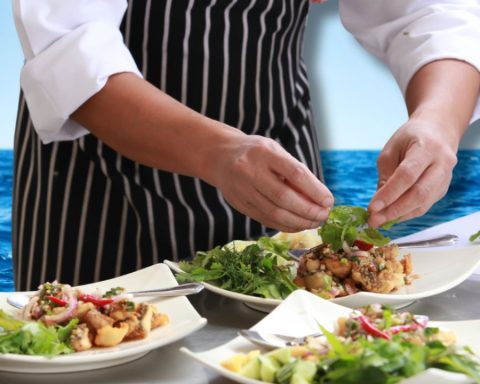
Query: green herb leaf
(259,269)
(349,223)
(389,224)
(475,236)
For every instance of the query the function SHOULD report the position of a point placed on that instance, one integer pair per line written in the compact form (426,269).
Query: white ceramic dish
(439,270)
(300,314)
(184,320)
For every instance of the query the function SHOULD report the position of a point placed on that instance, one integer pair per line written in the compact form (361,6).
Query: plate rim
(393,297)
(238,343)
(102,355)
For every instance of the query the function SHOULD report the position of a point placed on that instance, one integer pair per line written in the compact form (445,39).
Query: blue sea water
(350,175)
(6,175)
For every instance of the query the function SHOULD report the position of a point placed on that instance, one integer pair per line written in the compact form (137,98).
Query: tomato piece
(363,245)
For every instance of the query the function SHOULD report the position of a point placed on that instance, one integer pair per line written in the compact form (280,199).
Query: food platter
(437,269)
(184,320)
(306,311)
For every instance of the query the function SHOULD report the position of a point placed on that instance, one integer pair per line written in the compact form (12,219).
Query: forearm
(444,92)
(148,126)
(254,174)
(415,166)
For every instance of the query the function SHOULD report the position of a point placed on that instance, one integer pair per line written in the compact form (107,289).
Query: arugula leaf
(475,236)
(349,223)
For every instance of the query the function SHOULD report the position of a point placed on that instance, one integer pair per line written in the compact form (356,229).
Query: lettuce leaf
(34,338)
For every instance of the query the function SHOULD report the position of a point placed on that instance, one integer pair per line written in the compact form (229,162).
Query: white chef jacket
(72,47)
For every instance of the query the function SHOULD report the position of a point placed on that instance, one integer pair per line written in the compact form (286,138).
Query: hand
(260,179)
(414,171)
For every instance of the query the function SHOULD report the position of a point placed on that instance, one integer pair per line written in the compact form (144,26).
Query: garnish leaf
(349,223)
(475,236)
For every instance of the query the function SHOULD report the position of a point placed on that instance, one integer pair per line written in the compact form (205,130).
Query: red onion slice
(66,314)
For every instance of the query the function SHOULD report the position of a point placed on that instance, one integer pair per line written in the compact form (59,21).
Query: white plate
(300,314)
(439,270)
(184,320)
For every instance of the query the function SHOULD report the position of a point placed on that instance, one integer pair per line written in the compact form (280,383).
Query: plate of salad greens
(261,273)
(33,347)
(375,344)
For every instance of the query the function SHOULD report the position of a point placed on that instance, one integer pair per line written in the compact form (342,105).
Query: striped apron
(83,213)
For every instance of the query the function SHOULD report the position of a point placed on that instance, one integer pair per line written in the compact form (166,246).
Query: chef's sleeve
(408,34)
(71,47)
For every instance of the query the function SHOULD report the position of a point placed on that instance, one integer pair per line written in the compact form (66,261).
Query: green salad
(261,268)
(34,338)
(375,345)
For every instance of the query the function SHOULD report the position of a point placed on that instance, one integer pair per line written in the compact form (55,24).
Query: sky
(355,100)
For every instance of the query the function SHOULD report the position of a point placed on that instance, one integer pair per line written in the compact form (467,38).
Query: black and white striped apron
(82,212)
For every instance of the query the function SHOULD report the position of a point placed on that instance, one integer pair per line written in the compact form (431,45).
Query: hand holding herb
(348,224)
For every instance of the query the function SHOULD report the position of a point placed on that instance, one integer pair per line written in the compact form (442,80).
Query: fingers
(263,181)
(300,179)
(418,199)
(387,162)
(265,211)
(402,179)
(286,205)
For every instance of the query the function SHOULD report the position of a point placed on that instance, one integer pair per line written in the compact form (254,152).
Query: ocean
(350,175)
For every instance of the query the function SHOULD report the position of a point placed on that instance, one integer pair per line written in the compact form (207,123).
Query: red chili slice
(95,301)
(56,300)
(371,329)
(403,328)
(363,245)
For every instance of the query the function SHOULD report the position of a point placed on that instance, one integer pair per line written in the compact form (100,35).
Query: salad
(374,344)
(261,268)
(350,257)
(60,319)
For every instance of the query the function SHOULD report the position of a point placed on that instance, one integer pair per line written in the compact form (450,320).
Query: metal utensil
(438,241)
(272,340)
(19,300)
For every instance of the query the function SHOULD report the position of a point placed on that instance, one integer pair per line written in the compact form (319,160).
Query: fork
(273,340)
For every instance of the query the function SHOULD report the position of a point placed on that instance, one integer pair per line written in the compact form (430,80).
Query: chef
(150,129)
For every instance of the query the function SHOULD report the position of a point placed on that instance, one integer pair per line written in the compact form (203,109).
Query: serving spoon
(20,300)
(438,241)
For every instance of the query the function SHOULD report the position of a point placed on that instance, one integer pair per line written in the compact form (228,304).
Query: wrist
(220,141)
(445,125)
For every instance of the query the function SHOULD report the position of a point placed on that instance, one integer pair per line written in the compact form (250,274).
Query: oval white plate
(184,319)
(439,270)
(301,313)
